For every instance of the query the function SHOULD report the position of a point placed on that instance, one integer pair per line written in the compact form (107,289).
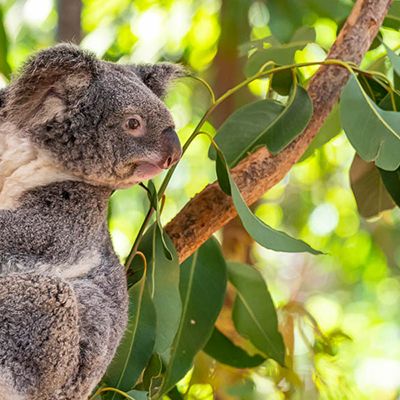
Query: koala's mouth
(139,172)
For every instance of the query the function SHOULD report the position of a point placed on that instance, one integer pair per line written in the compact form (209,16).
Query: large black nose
(172,149)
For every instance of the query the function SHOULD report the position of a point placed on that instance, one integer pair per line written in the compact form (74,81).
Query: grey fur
(59,332)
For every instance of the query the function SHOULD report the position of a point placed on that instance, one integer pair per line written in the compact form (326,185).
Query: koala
(72,130)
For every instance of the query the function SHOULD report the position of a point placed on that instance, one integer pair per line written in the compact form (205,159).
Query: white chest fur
(23,167)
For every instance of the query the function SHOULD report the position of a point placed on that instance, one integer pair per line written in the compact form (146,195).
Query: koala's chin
(140,172)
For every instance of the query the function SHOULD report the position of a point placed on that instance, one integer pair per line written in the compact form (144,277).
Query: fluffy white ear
(157,77)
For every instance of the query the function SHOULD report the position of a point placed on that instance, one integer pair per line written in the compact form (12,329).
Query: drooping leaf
(163,282)
(5,68)
(254,313)
(153,198)
(391,180)
(203,284)
(137,345)
(367,186)
(331,128)
(257,229)
(263,123)
(222,349)
(372,131)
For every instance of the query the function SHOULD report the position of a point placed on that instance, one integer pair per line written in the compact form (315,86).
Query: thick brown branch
(211,209)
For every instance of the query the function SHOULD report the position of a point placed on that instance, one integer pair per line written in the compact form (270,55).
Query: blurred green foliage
(343,306)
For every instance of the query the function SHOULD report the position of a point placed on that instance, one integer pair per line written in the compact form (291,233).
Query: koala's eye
(132,123)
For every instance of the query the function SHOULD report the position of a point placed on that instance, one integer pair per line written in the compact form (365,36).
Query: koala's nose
(172,148)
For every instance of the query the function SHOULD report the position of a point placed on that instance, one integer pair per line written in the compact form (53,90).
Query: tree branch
(69,21)
(211,209)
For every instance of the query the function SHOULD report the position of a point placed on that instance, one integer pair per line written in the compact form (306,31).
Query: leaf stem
(110,389)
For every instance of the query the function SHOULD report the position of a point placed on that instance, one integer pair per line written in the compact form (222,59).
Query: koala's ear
(51,72)
(157,77)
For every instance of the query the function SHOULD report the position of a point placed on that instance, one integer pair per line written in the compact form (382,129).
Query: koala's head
(104,123)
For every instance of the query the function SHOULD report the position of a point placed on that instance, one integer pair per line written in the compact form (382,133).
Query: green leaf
(368,189)
(391,180)
(238,135)
(394,59)
(137,345)
(224,351)
(291,121)
(254,313)
(282,82)
(372,131)
(263,123)
(153,198)
(331,128)
(257,229)
(163,282)
(138,395)
(282,54)
(203,285)
(5,68)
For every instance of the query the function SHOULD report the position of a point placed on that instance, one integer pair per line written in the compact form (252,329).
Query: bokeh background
(341,310)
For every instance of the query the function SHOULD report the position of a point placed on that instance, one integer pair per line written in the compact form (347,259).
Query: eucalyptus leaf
(153,198)
(238,135)
(394,59)
(203,285)
(163,282)
(372,131)
(291,121)
(138,395)
(368,188)
(257,229)
(137,345)
(254,313)
(263,123)
(282,82)
(222,349)
(282,54)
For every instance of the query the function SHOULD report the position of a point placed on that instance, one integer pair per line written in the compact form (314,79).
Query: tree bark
(69,21)
(211,209)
